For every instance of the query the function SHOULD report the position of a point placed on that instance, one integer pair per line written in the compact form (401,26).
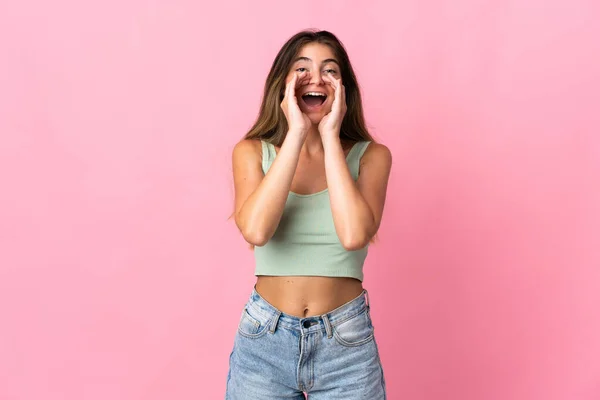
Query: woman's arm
(357,207)
(260,198)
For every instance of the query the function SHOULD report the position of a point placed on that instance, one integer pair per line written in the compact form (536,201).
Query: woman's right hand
(298,122)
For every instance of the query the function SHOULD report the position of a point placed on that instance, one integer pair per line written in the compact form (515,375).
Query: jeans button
(306,324)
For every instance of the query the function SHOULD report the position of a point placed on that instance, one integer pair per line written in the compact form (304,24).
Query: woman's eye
(330,71)
(301,69)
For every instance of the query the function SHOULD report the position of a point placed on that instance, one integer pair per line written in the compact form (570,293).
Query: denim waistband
(313,323)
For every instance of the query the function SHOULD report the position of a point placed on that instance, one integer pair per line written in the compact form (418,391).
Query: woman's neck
(313,143)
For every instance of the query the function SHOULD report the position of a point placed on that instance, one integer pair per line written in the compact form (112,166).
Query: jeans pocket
(355,331)
(252,324)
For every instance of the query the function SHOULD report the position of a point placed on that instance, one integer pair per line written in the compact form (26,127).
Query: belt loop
(327,326)
(367,299)
(274,320)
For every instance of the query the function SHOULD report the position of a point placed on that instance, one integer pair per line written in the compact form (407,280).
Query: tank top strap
(354,156)
(268,155)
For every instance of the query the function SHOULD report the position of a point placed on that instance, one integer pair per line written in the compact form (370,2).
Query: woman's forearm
(260,214)
(353,219)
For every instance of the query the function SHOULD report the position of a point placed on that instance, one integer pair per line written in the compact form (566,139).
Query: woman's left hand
(331,123)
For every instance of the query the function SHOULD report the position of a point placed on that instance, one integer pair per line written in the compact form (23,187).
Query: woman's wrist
(331,139)
(332,144)
(294,138)
(297,133)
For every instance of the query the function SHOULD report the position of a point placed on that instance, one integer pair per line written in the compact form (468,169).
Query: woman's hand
(330,125)
(298,122)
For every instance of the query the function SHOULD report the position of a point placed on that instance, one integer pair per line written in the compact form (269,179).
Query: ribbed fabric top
(305,242)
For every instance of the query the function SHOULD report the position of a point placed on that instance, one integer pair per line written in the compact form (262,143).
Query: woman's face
(315,66)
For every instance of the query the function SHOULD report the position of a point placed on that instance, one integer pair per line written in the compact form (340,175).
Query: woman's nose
(316,78)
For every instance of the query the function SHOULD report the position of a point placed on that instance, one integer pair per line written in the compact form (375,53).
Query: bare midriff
(307,296)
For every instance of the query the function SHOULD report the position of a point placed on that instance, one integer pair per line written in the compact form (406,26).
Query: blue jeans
(280,356)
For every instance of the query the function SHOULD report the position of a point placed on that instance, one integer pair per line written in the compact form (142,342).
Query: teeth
(315,94)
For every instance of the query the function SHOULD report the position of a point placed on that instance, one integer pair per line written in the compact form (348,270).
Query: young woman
(310,186)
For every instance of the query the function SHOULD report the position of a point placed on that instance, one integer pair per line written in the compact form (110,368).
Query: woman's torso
(305,296)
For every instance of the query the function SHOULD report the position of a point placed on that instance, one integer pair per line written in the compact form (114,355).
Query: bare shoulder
(247,147)
(247,151)
(378,154)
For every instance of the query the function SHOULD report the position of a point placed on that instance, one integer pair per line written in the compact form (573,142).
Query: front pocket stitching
(253,335)
(351,344)
(344,342)
(251,319)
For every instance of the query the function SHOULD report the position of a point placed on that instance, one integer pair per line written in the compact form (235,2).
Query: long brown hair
(271,124)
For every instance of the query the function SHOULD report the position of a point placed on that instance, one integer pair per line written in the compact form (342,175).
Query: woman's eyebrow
(329,60)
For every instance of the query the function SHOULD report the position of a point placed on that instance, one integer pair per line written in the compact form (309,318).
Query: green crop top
(305,242)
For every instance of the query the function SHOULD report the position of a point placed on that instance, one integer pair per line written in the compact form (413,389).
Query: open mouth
(314,99)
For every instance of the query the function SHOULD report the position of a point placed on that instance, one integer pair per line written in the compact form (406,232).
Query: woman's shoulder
(251,145)
(377,152)
(248,149)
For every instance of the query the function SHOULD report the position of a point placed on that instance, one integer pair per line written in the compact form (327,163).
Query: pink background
(121,278)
